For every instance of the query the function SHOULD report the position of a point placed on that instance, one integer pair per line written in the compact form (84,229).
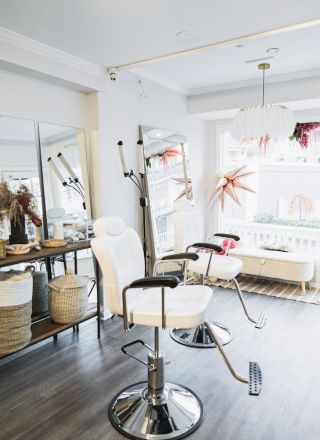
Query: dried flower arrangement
(301,204)
(15,204)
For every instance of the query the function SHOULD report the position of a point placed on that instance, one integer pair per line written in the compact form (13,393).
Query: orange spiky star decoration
(187,192)
(228,183)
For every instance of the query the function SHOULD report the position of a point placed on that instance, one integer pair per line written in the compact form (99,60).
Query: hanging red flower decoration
(302,133)
(164,156)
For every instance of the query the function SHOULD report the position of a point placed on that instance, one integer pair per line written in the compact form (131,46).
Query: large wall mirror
(168,179)
(65,177)
(19,162)
(52,162)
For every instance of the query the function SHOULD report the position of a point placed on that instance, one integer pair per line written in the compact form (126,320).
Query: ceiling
(111,33)
(228,67)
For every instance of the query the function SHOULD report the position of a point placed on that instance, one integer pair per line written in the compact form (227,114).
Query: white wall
(29,98)
(121,111)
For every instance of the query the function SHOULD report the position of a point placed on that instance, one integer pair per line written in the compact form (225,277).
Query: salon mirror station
(168,180)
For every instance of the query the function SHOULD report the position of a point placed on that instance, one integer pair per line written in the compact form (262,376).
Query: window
(284,180)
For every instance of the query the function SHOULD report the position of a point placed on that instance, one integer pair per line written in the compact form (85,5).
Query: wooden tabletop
(10,260)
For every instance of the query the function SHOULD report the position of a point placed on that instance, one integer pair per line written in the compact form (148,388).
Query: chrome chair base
(136,414)
(199,337)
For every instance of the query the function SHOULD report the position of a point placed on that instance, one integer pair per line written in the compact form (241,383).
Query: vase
(18,231)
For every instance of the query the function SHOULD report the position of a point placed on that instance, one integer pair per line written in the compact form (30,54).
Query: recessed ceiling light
(186,35)
(272,50)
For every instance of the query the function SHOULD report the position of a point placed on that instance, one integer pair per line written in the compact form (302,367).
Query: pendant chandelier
(263,122)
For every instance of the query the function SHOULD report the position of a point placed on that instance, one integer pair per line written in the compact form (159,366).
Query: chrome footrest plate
(255,379)
(176,413)
(261,321)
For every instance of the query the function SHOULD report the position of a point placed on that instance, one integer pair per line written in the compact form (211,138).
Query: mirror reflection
(168,179)
(18,164)
(65,176)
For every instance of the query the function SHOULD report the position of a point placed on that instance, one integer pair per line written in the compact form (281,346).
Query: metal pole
(156,342)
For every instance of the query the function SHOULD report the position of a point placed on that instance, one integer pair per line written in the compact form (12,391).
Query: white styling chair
(188,236)
(154,409)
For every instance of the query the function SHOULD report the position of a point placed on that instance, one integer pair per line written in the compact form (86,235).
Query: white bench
(287,266)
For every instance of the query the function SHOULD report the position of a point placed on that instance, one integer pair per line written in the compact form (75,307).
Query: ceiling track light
(220,44)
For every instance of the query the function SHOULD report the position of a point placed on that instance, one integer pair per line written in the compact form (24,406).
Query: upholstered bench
(287,266)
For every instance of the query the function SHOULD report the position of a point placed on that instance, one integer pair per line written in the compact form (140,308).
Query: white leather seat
(221,267)
(185,306)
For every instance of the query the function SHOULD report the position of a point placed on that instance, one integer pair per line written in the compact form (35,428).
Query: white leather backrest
(120,258)
(187,225)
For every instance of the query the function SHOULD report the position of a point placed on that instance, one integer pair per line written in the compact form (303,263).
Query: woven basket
(39,291)
(15,327)
(3,252)
(68,298)
(15,311)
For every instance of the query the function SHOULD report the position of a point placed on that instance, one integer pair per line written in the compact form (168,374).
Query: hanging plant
(302,133)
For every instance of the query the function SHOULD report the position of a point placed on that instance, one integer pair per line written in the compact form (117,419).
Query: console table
(42,326)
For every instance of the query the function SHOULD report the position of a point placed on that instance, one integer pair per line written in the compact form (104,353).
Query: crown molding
(291,76)
(28,44)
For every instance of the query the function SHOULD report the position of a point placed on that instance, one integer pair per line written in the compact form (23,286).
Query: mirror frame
(150,230)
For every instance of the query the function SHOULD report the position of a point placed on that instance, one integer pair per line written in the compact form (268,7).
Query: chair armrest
(165,281)
(182,256)
(209,246)
(233,237)
(149,282)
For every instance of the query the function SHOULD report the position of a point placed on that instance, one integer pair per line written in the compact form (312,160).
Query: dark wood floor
(61,391)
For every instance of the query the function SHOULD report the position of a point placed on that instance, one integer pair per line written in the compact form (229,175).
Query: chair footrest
(255,379)
(261,322)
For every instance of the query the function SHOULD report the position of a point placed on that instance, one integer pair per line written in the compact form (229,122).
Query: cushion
(271,255)
(275,264)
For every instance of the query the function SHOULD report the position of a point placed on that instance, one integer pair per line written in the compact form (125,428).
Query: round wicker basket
(39,291)
(15,310)
(3,252)
(68,298)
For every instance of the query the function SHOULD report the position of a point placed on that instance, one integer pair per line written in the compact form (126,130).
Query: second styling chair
(188,237)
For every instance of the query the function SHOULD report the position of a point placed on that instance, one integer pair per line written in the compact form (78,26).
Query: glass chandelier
(263,122)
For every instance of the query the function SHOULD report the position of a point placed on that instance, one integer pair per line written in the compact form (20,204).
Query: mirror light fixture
(263,122)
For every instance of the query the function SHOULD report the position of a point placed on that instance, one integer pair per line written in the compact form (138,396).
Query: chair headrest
(108,226)
(183,205)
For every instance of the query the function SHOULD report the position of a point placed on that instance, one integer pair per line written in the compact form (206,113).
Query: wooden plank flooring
(61,391)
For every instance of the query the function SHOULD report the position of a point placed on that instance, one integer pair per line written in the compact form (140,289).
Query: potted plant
(15,206)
